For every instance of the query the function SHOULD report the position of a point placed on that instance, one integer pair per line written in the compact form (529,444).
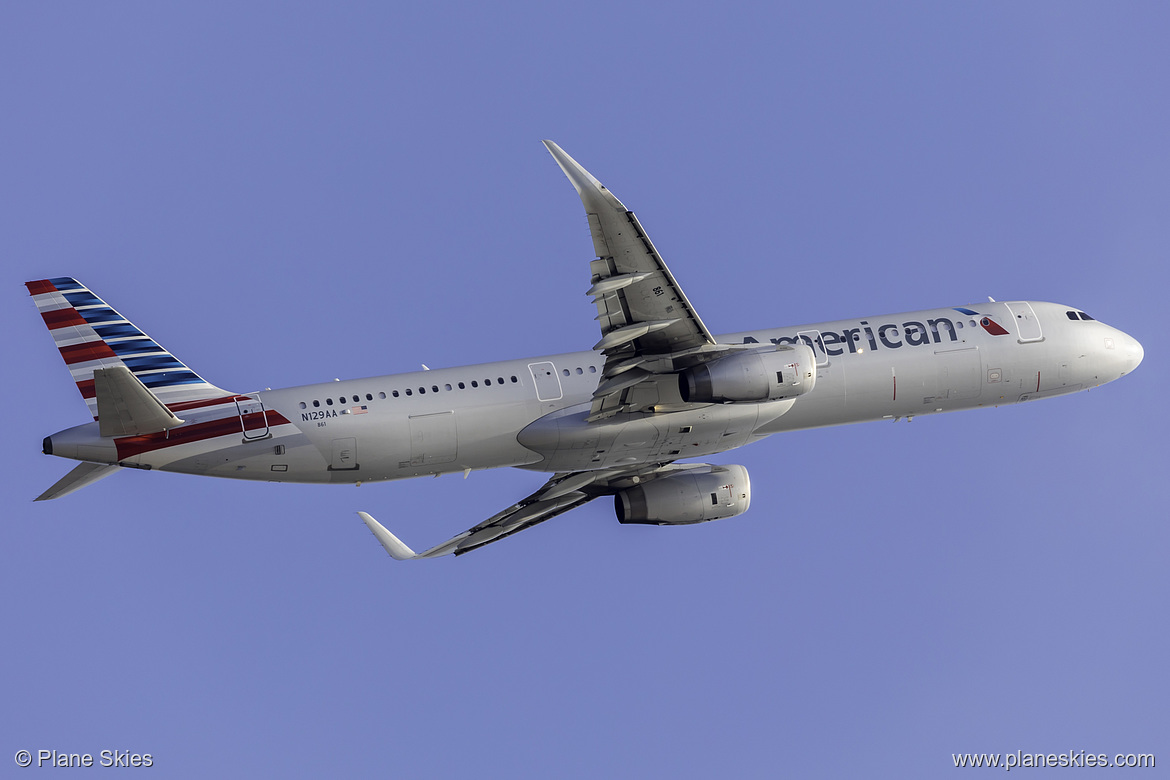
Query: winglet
(398,551)
(593,193)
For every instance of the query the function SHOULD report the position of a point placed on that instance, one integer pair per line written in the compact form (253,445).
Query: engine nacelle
(693,496)
(788,371)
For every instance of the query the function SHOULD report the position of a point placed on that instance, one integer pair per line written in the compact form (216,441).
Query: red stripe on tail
(61,318)
(41,287)
(90,350)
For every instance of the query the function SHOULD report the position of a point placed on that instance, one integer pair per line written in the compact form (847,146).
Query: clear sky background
(286,193)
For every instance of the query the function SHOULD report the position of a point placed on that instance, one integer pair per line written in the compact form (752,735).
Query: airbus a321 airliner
(622,419)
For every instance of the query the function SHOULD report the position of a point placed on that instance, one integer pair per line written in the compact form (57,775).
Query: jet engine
(693,496)
(788,371)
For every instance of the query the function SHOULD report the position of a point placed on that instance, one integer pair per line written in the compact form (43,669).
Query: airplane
(623,419)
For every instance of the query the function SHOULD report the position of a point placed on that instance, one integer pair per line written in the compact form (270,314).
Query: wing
(648,327)
(563,492)
(512,520)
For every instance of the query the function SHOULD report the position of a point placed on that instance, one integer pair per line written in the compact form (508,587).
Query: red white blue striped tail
(90,334)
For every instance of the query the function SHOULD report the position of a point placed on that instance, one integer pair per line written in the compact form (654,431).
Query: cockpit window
(1084,316)
(1072,315)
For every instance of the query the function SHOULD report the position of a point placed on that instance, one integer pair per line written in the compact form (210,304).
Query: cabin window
(474,383)
(329,401)
(565,371)
(579,371)
(500,379)
(369,397)
(462,386)
(447,386)
(515,380)
(434,388)
(422,391)
(304,405)
(316,404)
(487,382)
(592,369)
(409,392)
(383,395)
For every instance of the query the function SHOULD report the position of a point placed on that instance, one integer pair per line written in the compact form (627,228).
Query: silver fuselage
(530,413)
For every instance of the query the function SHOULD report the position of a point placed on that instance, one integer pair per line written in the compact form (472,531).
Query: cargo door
(960,373)
(433,439)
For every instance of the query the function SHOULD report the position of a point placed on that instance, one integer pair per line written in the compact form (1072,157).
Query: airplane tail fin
(91,335)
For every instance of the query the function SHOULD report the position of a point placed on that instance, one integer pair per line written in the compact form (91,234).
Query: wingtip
(573,169)
(393,545)
(593,193)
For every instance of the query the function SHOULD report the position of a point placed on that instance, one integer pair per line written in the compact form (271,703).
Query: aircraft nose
(1133,353)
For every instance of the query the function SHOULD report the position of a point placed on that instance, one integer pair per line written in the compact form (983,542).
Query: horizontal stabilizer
(85,474)
(126,407)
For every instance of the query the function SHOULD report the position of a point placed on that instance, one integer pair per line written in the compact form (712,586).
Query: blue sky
(284,193)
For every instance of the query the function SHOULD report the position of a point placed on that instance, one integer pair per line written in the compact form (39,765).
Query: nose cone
(1133,353)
